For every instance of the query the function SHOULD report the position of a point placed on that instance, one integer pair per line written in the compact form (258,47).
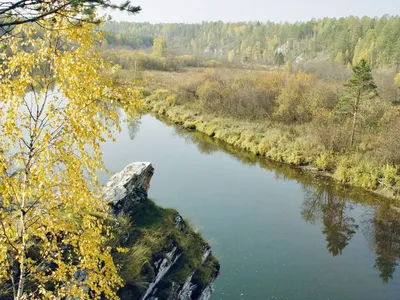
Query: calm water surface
(278,234)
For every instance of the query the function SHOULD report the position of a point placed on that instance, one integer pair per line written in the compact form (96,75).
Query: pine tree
(279,59)
(359,88)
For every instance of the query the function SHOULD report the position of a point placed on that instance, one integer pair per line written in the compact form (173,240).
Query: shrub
(389,142)
(293,106)
(212,63)
(343,170)
(189,60)
(390,177)
(325,161)
(210,94)
(327,132)
(365,176)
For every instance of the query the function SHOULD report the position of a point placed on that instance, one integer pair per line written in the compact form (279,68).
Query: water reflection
(338,227)
(382,231)
(381,227)
(133,127)
(327,204)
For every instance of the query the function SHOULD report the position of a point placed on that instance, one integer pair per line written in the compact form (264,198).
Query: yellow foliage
(55,109)
(397,81)
(325,161)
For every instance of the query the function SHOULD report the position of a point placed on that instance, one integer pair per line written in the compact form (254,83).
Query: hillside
(343,40)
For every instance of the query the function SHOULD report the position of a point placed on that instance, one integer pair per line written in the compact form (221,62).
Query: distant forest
(344,41)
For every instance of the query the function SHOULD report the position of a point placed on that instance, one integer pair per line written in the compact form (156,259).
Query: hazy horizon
(189,11)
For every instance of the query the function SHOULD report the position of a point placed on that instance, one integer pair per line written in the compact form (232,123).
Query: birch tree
(56,107)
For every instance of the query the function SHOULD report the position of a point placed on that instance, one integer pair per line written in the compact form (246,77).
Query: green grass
(147,234)
(148,215)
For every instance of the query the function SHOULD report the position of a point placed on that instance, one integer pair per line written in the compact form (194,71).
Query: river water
(278,233)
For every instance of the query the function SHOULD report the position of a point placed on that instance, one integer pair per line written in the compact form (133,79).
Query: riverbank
(281,144)
(267,221)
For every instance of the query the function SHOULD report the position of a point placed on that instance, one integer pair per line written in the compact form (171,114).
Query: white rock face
(123,192)
(128,186)
(166,264)
(189,287)
(207,292)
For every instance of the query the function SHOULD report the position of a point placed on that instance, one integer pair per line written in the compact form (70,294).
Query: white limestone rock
(128,186)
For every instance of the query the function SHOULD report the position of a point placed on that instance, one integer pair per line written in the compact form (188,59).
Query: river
(277,232)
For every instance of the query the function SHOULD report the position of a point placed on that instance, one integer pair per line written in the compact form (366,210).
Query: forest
(343,40)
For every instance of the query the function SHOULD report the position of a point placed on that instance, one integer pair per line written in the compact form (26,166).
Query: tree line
(344,41)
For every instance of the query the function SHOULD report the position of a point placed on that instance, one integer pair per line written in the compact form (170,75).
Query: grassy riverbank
(343,124)
(295,145)
(148,234)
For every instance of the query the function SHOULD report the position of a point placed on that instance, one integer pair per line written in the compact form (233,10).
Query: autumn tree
(160,46)
(231,55)
(397,82)
(293,102)
(56,106)
(359,89)
(289,67)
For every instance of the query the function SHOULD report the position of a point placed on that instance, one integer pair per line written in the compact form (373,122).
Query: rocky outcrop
(127,188)
(181,265)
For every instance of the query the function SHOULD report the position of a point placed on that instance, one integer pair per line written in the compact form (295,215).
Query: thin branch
(34,19)
(6,236)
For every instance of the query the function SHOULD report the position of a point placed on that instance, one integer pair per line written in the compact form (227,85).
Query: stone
(128,187)
(126,191)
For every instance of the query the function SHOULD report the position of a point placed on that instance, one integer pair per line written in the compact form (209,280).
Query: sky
(191,11)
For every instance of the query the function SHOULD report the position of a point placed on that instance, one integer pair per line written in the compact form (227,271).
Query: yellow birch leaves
(56,106)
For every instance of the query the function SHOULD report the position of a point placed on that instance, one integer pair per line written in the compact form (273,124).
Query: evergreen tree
(279,59)
(359,88)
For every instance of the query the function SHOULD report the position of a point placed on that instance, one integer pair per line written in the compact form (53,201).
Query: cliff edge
(164,258)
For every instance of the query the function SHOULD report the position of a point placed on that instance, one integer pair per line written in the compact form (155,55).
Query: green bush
(343,170)
(365,176)
(212,63)
(325,161)
(391,178)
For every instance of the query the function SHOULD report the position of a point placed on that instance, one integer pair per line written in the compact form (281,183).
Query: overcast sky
(191,11)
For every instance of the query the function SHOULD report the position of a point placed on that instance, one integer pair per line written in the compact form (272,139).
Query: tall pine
(359,89)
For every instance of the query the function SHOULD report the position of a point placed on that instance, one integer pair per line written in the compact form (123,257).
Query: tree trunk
(355,113)
(353,129)
(22,263)
(22,267)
